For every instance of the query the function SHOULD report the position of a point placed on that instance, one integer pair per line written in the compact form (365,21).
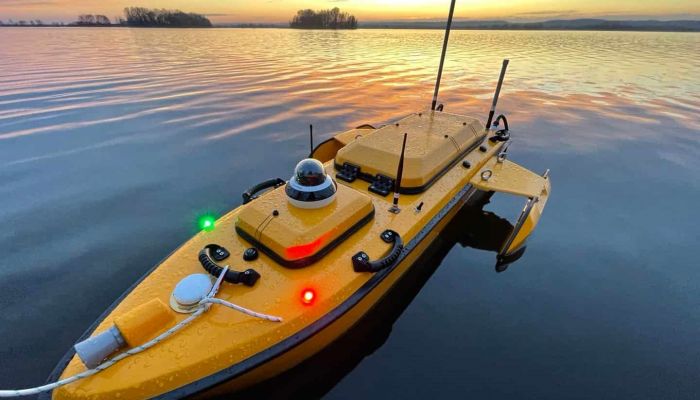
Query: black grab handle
(362,263)
(247,277)
(249,195)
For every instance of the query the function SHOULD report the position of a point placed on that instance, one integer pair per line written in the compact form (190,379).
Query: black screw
(275,213)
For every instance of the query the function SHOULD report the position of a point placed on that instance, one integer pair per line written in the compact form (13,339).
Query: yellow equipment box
(435,142)
(296,237)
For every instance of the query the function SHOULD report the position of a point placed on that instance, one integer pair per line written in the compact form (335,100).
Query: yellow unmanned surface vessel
(282,276)
(314,269)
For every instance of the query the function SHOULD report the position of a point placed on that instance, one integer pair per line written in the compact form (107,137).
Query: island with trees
(146,17)
(133,16)
(323,19)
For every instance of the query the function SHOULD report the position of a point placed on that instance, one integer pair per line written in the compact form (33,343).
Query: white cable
(205,304)
(106,364)
(241,309)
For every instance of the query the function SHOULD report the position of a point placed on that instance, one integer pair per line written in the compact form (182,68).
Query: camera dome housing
(310,186)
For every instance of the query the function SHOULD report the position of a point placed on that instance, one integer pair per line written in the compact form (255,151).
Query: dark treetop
(139,16)
(323,19)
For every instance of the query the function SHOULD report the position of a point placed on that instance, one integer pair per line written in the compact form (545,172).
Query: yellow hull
(224,351)
(327,335)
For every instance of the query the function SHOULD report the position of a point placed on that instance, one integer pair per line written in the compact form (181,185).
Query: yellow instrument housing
(143,322)
(432,146)
(297,237)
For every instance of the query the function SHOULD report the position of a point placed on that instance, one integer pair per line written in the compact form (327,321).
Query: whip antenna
(397,183)
(442,57)
(311,140)
(498,91)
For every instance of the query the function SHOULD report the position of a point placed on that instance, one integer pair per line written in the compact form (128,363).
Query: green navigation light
(206,223)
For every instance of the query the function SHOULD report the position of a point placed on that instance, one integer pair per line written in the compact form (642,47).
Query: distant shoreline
(368,28)
(597,25)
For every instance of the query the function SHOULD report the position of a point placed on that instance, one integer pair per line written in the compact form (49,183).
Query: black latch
(501,135)
(218,253)
(381,185)
(348,172)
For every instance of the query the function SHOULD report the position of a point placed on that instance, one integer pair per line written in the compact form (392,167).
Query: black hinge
(348,172)
(381,185)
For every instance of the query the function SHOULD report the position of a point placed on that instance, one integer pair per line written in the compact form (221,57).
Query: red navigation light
(308,296)
(304,250)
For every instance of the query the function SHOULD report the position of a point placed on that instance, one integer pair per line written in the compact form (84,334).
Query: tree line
(92,20)
(323,19)
(133,16)
(31,22)
(139,16)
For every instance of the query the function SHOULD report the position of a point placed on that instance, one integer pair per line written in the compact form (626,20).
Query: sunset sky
(272,11)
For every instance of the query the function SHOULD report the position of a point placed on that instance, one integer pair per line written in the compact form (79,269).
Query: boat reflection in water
(472,227)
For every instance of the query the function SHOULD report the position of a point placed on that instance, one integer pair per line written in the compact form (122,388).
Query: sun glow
(364,10)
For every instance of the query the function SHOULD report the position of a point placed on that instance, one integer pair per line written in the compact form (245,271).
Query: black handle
(362,263)
(249,195)
(247,277)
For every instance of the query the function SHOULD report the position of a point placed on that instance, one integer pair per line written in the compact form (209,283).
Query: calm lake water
(113,141)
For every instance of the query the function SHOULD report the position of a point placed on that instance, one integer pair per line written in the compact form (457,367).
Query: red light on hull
(304,250)
(308,296)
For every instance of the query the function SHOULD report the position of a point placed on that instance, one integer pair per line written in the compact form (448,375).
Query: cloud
(548,12)
(23,3)
(543,15)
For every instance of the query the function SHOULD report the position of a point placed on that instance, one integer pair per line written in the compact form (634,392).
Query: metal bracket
(518,225)
(503,154)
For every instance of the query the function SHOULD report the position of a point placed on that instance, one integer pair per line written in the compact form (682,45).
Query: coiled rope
(204,305)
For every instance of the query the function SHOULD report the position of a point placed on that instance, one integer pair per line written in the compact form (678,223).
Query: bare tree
(102,20)
(86,19)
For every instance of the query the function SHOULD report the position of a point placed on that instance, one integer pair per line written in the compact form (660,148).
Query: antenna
(311,140)
(498,92)
(397,183)
(442,57)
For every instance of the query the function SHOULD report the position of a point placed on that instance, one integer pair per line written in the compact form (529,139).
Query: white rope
(205,304)
(242,309)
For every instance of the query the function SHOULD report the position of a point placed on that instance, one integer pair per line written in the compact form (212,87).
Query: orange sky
(220,11)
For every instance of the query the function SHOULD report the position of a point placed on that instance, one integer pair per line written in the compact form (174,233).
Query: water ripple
(212,84)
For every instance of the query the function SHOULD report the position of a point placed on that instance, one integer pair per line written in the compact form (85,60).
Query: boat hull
(318,336)
(315,337)
(225,352)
